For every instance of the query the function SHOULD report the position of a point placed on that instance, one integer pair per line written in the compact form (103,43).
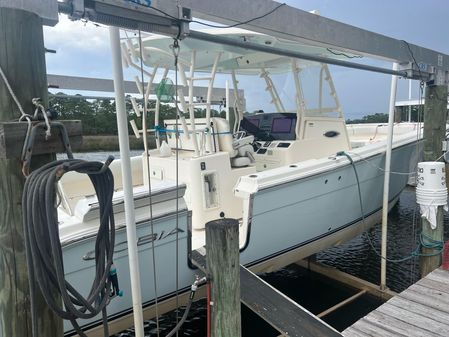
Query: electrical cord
(193,289)
(382,169)
(243,22)
(425,241)
(343,54)
(414,60)
(43,247)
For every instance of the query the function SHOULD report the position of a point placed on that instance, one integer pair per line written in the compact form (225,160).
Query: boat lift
(170,18)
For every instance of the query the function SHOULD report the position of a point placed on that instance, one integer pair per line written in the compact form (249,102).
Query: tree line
(98,115)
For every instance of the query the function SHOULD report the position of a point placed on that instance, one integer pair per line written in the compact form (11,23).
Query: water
(358,257)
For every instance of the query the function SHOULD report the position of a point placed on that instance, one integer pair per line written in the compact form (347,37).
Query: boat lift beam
(313,29)
(168,18)
(295,54)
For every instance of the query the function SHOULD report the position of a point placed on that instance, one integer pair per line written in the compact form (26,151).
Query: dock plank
(392,326)
(414,320)
(357,333)
(371,328)
(435,285)
(433,294)
(422,310)
(440,273)
(434,303)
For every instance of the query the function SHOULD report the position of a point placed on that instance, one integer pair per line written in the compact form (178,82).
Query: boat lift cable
(424,240)
(176,50)
(150,195)
(43,247)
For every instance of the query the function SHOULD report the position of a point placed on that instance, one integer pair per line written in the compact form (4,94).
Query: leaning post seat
(240,150)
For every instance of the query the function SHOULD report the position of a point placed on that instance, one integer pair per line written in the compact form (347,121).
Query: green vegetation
(376,118)
(98,115)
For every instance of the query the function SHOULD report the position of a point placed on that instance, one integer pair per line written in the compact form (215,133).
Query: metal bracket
(421,71)
(129,15)
(28,145)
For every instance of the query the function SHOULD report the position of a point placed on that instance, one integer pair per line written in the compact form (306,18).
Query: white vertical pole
(227,100)
(192,106)
(383,269)
(117,70)
(409,100)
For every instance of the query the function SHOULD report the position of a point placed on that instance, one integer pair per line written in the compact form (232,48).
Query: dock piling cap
(222,223)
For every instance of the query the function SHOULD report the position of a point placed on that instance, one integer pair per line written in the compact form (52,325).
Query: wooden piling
(435,115)
(222,261)
(22,58)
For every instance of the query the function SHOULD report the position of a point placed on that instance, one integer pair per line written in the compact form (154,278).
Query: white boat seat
(240,161)
(240,150)
(245,151)
(225,139)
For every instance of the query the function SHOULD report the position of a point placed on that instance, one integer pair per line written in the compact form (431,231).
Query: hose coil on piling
(43,248)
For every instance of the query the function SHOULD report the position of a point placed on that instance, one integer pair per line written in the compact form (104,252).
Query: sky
(83,48)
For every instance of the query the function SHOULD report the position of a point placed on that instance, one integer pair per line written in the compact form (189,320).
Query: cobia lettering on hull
(122,246)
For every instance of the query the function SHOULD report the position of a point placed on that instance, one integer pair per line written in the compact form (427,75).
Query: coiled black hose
(43,248)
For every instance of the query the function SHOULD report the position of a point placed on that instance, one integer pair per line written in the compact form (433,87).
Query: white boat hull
(289,222)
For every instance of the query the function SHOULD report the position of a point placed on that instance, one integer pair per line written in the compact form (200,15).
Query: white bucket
(431,176)
(431,191)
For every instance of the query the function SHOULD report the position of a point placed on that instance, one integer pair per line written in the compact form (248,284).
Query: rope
(39,107)
(43,247)
(380,168)
(24,116)
(424,240)
(11,92)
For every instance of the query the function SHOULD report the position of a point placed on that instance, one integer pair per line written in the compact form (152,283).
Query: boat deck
(422,310)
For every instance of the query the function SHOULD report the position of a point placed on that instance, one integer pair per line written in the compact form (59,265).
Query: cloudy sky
(83,49)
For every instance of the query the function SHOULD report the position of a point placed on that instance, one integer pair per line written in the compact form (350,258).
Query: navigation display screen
(281,125)
(254,121)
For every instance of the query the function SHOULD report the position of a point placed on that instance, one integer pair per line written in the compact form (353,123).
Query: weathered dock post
(435,116)
(22,58)
(223,266)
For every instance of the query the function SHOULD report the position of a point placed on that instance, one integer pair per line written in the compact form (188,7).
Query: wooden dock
(422,310)
(282,313)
